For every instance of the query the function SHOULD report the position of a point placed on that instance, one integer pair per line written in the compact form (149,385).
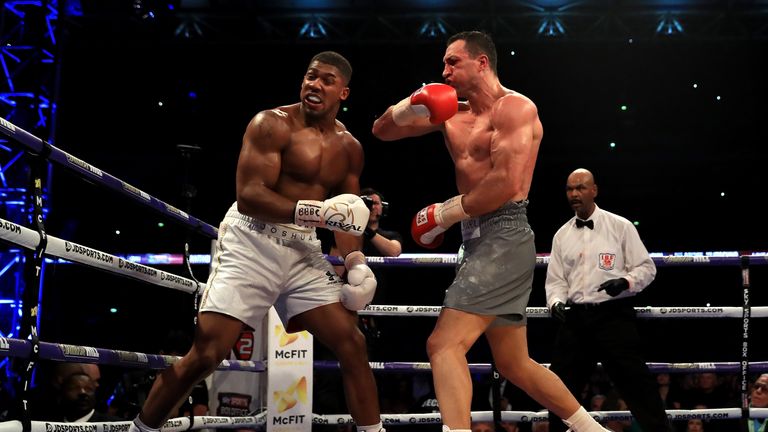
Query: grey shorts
(494,275)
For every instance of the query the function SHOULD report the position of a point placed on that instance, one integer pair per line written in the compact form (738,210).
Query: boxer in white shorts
(293,158)
(257,265)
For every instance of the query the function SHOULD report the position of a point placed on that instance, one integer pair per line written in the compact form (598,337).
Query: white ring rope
(542,312)
(177,424)
(71,251)
(530,416)
(180,424)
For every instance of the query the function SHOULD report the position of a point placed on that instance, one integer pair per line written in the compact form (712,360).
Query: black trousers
(607,333)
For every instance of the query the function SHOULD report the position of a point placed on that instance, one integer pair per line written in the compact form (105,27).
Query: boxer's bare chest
(316,157)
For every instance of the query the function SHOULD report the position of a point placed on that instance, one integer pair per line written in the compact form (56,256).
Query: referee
(598,263)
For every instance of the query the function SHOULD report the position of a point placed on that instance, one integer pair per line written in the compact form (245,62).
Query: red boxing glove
(429,224)
(425,230)
(438,102)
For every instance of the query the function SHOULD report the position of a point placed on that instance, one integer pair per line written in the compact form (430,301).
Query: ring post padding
(746,313)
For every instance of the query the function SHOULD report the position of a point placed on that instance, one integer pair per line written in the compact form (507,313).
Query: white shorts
(257,265)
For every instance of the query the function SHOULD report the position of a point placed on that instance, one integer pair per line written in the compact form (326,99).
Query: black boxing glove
(614,287)
(558,311)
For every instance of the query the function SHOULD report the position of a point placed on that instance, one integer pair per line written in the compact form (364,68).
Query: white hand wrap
(346,213)
(358,292)
(139,426)
(405,113)
(450,212)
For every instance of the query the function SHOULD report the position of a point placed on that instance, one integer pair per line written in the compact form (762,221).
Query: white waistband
(282,231)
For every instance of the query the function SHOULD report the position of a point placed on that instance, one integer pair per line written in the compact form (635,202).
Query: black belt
(584,306)
(602,305)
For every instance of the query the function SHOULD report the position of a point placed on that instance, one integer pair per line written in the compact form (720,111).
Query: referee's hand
(558,311)
(614,287)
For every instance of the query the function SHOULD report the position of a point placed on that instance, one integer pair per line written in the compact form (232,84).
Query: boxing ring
(33,349)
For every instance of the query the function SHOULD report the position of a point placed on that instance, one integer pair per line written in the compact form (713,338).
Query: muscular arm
(386,247)
(512,145)
(258,169)
(385,129)
(346,243)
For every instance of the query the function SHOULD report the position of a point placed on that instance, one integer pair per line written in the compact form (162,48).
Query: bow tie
(585,223)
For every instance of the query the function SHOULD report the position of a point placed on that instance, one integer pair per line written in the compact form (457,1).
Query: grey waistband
(281,231)
(510,215)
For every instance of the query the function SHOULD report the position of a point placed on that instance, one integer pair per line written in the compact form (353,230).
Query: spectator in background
(76,401)
(45,397)
(377,241)
(707,390)
(512,398)
(510,426)
(695,425)
(397,393)
(132,390)
(758,398)
(596,403)
(613,402)
(669,392)
(483,426)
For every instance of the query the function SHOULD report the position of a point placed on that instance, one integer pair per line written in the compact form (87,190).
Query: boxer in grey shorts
(492,134)
(495,273)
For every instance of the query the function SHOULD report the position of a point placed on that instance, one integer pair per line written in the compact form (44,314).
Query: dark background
(677,148)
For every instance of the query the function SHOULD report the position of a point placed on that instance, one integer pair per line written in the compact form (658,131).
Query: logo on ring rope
(71,428)
(84,165)
(137,268)
(86,252)
(171,424)
(7,125)
(10,227)
(136,191)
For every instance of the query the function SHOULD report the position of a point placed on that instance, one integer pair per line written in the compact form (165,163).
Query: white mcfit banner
(289,377)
